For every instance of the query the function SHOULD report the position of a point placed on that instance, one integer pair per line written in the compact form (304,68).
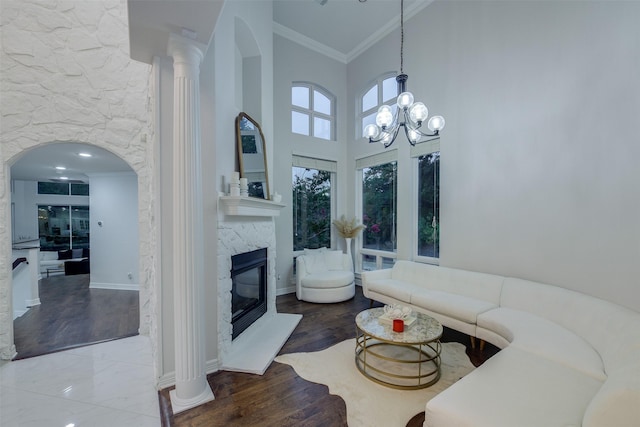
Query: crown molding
(307,42)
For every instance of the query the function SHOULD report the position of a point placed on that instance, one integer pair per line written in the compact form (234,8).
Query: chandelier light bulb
(413,135)
(405,100)
(418,112)
(386,139)
(371,131)
(436,123)
(384,117)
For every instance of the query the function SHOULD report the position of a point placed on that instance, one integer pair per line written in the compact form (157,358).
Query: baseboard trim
(32,302)
(285,291)
(115,286)
(169,379)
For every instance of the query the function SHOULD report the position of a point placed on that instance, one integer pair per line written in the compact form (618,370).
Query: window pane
(54,227)
(300,96)
(379,207)
(299,123)
(321,128)
(79,189)
(366,120)
(389,89)
(321,103)
(61,188)
(311,208)
(79,226)
(429,205)
(370,99)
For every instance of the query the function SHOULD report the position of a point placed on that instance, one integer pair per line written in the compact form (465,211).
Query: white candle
(243,183)
(235,176)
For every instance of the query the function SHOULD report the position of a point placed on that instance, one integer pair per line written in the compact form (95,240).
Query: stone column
(192,388)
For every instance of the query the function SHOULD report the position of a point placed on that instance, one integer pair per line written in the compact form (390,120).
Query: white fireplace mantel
(249,206)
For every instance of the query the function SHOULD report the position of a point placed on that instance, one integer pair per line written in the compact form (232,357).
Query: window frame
(331,166)
(361,164)
(379,83)
(313,114)
(417,151)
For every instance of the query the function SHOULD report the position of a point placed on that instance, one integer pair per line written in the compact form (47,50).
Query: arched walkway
(140,158)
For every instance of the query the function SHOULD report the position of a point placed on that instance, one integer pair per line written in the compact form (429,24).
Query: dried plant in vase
(348,229)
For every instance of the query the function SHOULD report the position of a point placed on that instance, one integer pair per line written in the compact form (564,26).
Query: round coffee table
(406,360)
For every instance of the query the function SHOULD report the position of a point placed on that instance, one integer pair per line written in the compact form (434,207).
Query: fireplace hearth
(248,289)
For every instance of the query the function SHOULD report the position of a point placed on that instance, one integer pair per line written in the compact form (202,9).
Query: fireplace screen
(248,289)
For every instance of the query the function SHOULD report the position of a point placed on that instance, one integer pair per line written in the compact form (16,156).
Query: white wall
(294,62)
(114,244)
(67,76)
(538,172)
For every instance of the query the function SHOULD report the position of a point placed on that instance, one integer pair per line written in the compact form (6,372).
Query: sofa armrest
(369,276)
(301,272)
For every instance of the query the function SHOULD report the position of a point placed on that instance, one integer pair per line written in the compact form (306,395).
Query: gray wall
(296,63)
(538,157)
(114,245)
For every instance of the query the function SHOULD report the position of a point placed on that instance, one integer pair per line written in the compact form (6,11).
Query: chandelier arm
(395,134)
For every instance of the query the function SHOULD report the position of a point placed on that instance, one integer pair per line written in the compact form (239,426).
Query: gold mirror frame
(252,156)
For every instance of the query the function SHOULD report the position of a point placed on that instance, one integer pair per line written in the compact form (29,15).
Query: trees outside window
(311,208)
(429,205)
(379,207)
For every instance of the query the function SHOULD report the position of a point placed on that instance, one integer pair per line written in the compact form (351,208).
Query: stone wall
(66,75)
(237,235)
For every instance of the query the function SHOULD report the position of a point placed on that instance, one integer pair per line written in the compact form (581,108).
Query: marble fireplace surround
(246,224)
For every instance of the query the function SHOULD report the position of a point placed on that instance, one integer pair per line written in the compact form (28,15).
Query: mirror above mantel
(252,156)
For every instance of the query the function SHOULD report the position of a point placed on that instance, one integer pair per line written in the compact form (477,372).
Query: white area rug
(370,404)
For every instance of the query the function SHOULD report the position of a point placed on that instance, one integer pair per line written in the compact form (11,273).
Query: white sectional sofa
(567,359)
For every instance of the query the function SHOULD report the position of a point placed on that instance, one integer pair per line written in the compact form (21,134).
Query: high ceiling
(346,27)
(341,29)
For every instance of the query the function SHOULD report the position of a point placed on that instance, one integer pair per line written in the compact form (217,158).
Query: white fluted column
(192,388)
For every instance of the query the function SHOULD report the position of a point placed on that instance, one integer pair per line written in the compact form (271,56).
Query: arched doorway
(139,159)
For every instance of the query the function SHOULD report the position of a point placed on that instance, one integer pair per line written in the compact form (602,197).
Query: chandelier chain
(401,36)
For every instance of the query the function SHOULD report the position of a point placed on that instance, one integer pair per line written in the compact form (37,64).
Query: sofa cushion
(328,279)
(514,388)
(617,403)
(544,338)
(67,254)
(456,306)
(333,260)
(393,288)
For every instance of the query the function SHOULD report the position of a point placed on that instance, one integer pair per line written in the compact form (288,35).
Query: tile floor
(108,384)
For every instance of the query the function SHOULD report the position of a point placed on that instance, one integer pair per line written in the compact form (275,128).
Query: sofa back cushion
(613,330)
(471,284)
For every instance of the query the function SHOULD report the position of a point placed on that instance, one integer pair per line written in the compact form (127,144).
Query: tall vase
(348,243)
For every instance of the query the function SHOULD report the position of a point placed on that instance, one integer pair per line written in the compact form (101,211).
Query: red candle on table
(398,325)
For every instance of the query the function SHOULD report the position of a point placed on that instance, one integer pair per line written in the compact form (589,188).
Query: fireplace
(248,289)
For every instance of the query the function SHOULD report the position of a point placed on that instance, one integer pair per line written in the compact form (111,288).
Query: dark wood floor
(280,398)
(72,315)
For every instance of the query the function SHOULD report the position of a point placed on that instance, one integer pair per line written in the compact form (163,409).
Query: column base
(179,405)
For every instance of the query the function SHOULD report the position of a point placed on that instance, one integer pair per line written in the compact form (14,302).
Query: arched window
(384,90)
(313,111)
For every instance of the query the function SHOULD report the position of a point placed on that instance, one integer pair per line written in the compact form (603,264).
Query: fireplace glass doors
(248,289)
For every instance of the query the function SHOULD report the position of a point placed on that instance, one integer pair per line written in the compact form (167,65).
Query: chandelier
(409,115)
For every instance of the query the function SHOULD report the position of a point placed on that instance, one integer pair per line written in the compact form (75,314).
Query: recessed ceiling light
(84,154)
(61,168)
(64,177)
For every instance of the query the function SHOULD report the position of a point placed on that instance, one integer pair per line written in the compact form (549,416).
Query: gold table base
(398,365)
